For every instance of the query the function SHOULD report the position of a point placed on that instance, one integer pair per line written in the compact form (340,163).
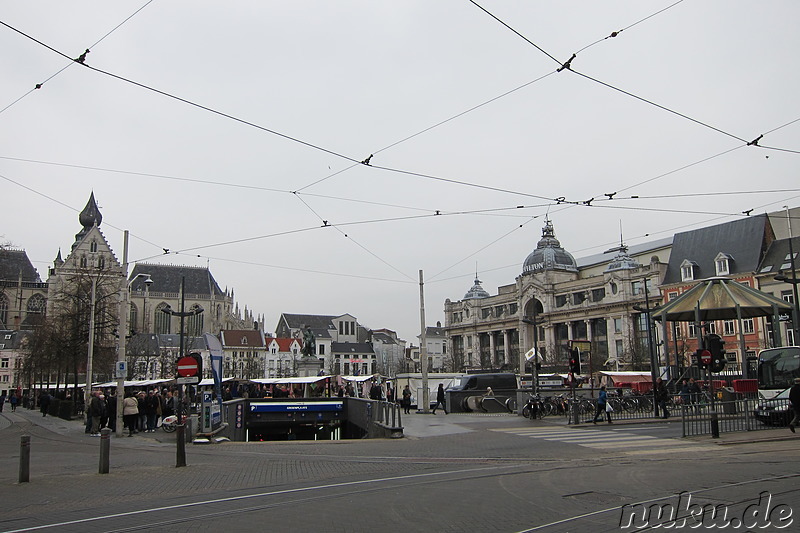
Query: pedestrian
(13,400)
(111,409)
(407,400)
(694,392)
(141,421)
(169,404)
(375,392)
(389,392)
(489,393)
(44,402)
(661,395)
(2,400)
(602,406)
(794,399)
(151,407)
(96,411)
(684,393)
(130,413)
(440,399)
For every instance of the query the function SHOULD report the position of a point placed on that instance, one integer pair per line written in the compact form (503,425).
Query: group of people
(141,410)
(12,399)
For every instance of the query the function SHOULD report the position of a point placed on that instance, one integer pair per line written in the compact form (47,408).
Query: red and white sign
(187,367)
(705,357)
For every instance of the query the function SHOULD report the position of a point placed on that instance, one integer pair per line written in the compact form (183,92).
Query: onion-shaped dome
(476,292)
(549,255)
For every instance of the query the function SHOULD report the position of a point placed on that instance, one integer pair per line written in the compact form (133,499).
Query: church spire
(90,215)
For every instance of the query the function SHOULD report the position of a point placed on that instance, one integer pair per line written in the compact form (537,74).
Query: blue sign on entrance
(288,407)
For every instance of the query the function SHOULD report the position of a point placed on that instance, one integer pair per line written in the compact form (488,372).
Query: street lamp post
(123,338)
(181,427)
(87,390)
(793,281)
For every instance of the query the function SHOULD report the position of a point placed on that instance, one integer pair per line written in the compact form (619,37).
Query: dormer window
(687,270)
(244,341)
(722,264)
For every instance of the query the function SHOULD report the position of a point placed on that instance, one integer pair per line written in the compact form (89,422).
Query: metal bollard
(105,450)
(25,458)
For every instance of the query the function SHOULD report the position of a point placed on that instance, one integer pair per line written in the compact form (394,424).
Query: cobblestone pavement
(451,473)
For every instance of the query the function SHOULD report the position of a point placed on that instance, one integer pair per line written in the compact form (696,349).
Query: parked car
(775,411)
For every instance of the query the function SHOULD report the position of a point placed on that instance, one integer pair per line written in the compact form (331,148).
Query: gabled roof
(242,338)
(777,257)
(167,278)
(433,331)
(13,262)
(383,338)
(17,339)
(284,343)
(746,240)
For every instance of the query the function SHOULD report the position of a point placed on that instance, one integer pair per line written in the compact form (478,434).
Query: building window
(790,337)
(787,296)
(243,342)
(748,326)
(722,264)
(671,296)
(320,349)
(93,246)
(617,325)
(711,328)
(637,287)
(498,310)
(746,283)
(618,347)
(84,262)
(562,300)
(728,327)
(687,270)
(692,330)
(162,326)
(3,308)
(512,309)
(578,297)
(4,362)
(677,331)
(36,304)
(486,313)
(194,324)
(456,317)
(598,294)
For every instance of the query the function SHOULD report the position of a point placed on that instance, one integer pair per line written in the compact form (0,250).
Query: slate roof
(315,321)
(151,344)
(18,338)
(746,240)
(777,257)
(12,262)
(383,338)
(433,331)
(351,348)
(167,278)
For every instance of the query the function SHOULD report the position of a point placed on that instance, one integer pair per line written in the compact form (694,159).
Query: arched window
(162,319)
(133,319)
(194,324)
(93,246)
(36,304)
(84,262)
(3,308)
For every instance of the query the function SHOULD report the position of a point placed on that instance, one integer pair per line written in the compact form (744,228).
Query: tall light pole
(87,391)
(180,432)
(793,280)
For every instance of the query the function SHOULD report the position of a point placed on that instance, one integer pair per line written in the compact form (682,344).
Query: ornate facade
(555,301)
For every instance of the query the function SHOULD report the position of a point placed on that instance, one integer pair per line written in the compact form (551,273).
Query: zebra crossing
(618,440)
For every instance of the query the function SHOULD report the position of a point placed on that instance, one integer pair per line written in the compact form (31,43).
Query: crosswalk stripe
(595,439)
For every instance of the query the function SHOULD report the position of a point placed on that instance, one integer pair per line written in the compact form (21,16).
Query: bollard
(25,458)
(105,449)
(180,453)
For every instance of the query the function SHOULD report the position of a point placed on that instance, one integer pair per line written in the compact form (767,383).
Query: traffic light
(575,362)
(197,356)
(716,346)
(697,357)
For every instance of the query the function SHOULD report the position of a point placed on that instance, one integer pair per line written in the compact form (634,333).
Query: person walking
(794,399)
(2,400)
(602,406)
(130,413)
(407,400)
(151,407)
(440,399)
(661,395)
(44,402)
(13,400)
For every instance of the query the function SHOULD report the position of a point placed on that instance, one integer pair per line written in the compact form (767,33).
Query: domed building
(556,301)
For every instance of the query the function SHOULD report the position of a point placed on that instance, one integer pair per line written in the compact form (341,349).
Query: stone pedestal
(308,366)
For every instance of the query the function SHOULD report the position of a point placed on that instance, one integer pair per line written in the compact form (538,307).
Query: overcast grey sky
(662,111)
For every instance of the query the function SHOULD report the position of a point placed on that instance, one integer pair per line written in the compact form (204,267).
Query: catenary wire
(72,62)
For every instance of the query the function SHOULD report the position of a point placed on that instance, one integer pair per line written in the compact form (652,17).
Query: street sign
(187,367)
(191,380)
(583,346)
(121,370)
(705,357)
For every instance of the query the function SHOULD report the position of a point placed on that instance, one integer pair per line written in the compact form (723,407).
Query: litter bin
(728,397)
